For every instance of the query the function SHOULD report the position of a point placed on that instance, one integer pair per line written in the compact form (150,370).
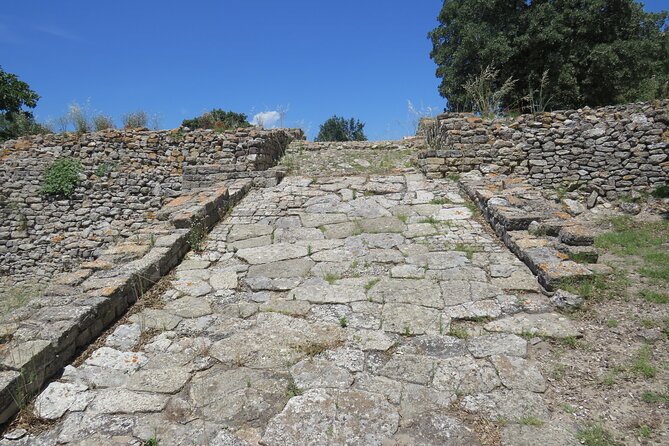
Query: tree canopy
(595,52)
(15,95)
(340,129)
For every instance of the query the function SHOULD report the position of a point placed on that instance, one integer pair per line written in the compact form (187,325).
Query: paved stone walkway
(352,310)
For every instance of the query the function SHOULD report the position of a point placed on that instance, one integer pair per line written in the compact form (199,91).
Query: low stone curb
(511,207)
(42,337)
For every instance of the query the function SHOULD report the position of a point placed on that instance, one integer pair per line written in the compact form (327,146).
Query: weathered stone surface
(317,372)
(113,359)
(240,395)
(189,307)
(124,337)
(169,380)
(432,429)
(282,269)
(517,373)
(550,434)
(324,293)
(272,253)
(465,375)
(120,401)
(413,319)
(223,280)
(323,416)
(511,405)
(549,324)
(497,344)
(276,341)
(59,397)
(420,292)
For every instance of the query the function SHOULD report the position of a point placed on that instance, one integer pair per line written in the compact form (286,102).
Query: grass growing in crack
(596,435)
(196,235)
(654,297)
(453,176)
(531,421)
(369,285)
(459,332)
(292,390)
(655,398)
(403,218)
(469,250)
(431,220)
(343,322)
(331,278)
(440,201)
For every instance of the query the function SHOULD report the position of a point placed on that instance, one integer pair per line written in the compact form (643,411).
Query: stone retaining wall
(128,176)
(610,150)
(39,339)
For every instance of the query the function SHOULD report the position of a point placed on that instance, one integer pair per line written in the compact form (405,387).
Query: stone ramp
(348,310)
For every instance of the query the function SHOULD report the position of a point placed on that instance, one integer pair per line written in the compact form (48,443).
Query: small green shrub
(217,119)
(62,177)
(196,235)
(661,191)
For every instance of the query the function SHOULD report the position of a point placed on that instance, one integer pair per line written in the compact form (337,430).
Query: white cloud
(267,119)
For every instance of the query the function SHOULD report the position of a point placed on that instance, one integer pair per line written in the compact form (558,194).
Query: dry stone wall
(610,150)
(128,175)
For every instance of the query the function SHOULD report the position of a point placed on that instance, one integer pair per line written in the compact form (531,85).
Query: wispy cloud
(267,119)
(57,32)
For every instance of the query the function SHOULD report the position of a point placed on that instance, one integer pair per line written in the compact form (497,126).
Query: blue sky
(363,58)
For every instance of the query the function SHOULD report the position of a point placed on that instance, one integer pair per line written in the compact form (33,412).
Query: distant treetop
(340,129)
(218,119)
(594,52)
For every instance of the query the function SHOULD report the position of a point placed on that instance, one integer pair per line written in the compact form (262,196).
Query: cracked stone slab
(465,375)
(318,372)
(240,395)
(272,253)
(433,429)
(60,397)
(414,291)
(413,319)
(497,344)
(324,293)
(518,373)
(169,380)
(323,416)
(511,405)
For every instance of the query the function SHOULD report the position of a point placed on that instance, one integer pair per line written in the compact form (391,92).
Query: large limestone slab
(465,375)
(112,401)
(511,405)
(434,429)
(242,232)
(276,341)
(282,269)
(59,397)
(327,416)
(408,291)
(551,325)
(320,292)
(240,395)
(272,253)
(497,344)
(169,380)
(413,319)
(518,373)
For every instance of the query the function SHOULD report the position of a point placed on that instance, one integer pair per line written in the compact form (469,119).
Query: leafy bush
(136,119)
(340,129)
(62,177)
(13,125)
(218,119)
